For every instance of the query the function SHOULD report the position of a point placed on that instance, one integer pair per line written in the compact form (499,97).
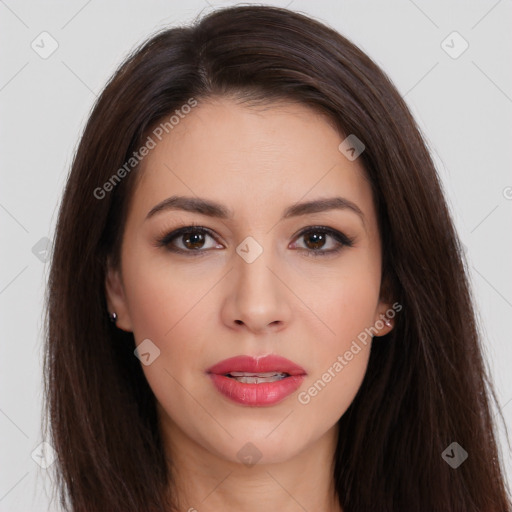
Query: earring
(387,322)
(113,317)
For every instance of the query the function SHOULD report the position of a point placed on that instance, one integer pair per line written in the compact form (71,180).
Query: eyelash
(342,239)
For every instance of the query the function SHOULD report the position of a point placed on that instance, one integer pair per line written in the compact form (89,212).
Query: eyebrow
(213,209)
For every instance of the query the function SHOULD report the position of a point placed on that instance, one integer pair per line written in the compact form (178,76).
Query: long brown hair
(427,384)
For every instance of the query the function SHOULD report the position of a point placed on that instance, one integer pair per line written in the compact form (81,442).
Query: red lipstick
(256,381)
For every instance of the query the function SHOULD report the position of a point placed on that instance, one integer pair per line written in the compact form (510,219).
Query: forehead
(252,159)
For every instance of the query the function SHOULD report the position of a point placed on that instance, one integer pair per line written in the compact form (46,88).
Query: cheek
(347,305)
(172,308)
(329,393)
(161,298)
(339,360)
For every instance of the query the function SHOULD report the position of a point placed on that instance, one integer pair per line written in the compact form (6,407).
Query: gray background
(463,104)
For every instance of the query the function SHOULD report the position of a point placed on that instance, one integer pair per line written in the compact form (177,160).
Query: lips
(256,381)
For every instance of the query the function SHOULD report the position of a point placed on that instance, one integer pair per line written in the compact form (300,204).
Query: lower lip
(256,395)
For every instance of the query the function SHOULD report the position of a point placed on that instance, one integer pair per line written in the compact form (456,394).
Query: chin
(269,443)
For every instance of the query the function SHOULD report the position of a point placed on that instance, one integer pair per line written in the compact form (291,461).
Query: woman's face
(261,280)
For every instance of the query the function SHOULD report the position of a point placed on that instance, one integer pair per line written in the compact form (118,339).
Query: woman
(257,297)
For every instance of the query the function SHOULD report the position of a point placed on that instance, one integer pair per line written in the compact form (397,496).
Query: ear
(116,298)
(384,320)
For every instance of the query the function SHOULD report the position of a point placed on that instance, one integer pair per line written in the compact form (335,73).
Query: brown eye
(193,240)
(315,240)
(190,239)
(323,241)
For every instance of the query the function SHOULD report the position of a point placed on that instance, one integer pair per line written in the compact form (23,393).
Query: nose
(257,297)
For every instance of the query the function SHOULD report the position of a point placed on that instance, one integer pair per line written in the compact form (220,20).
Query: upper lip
(261,364)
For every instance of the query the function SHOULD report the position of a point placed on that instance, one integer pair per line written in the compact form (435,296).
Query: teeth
(248,374)
(257,378)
